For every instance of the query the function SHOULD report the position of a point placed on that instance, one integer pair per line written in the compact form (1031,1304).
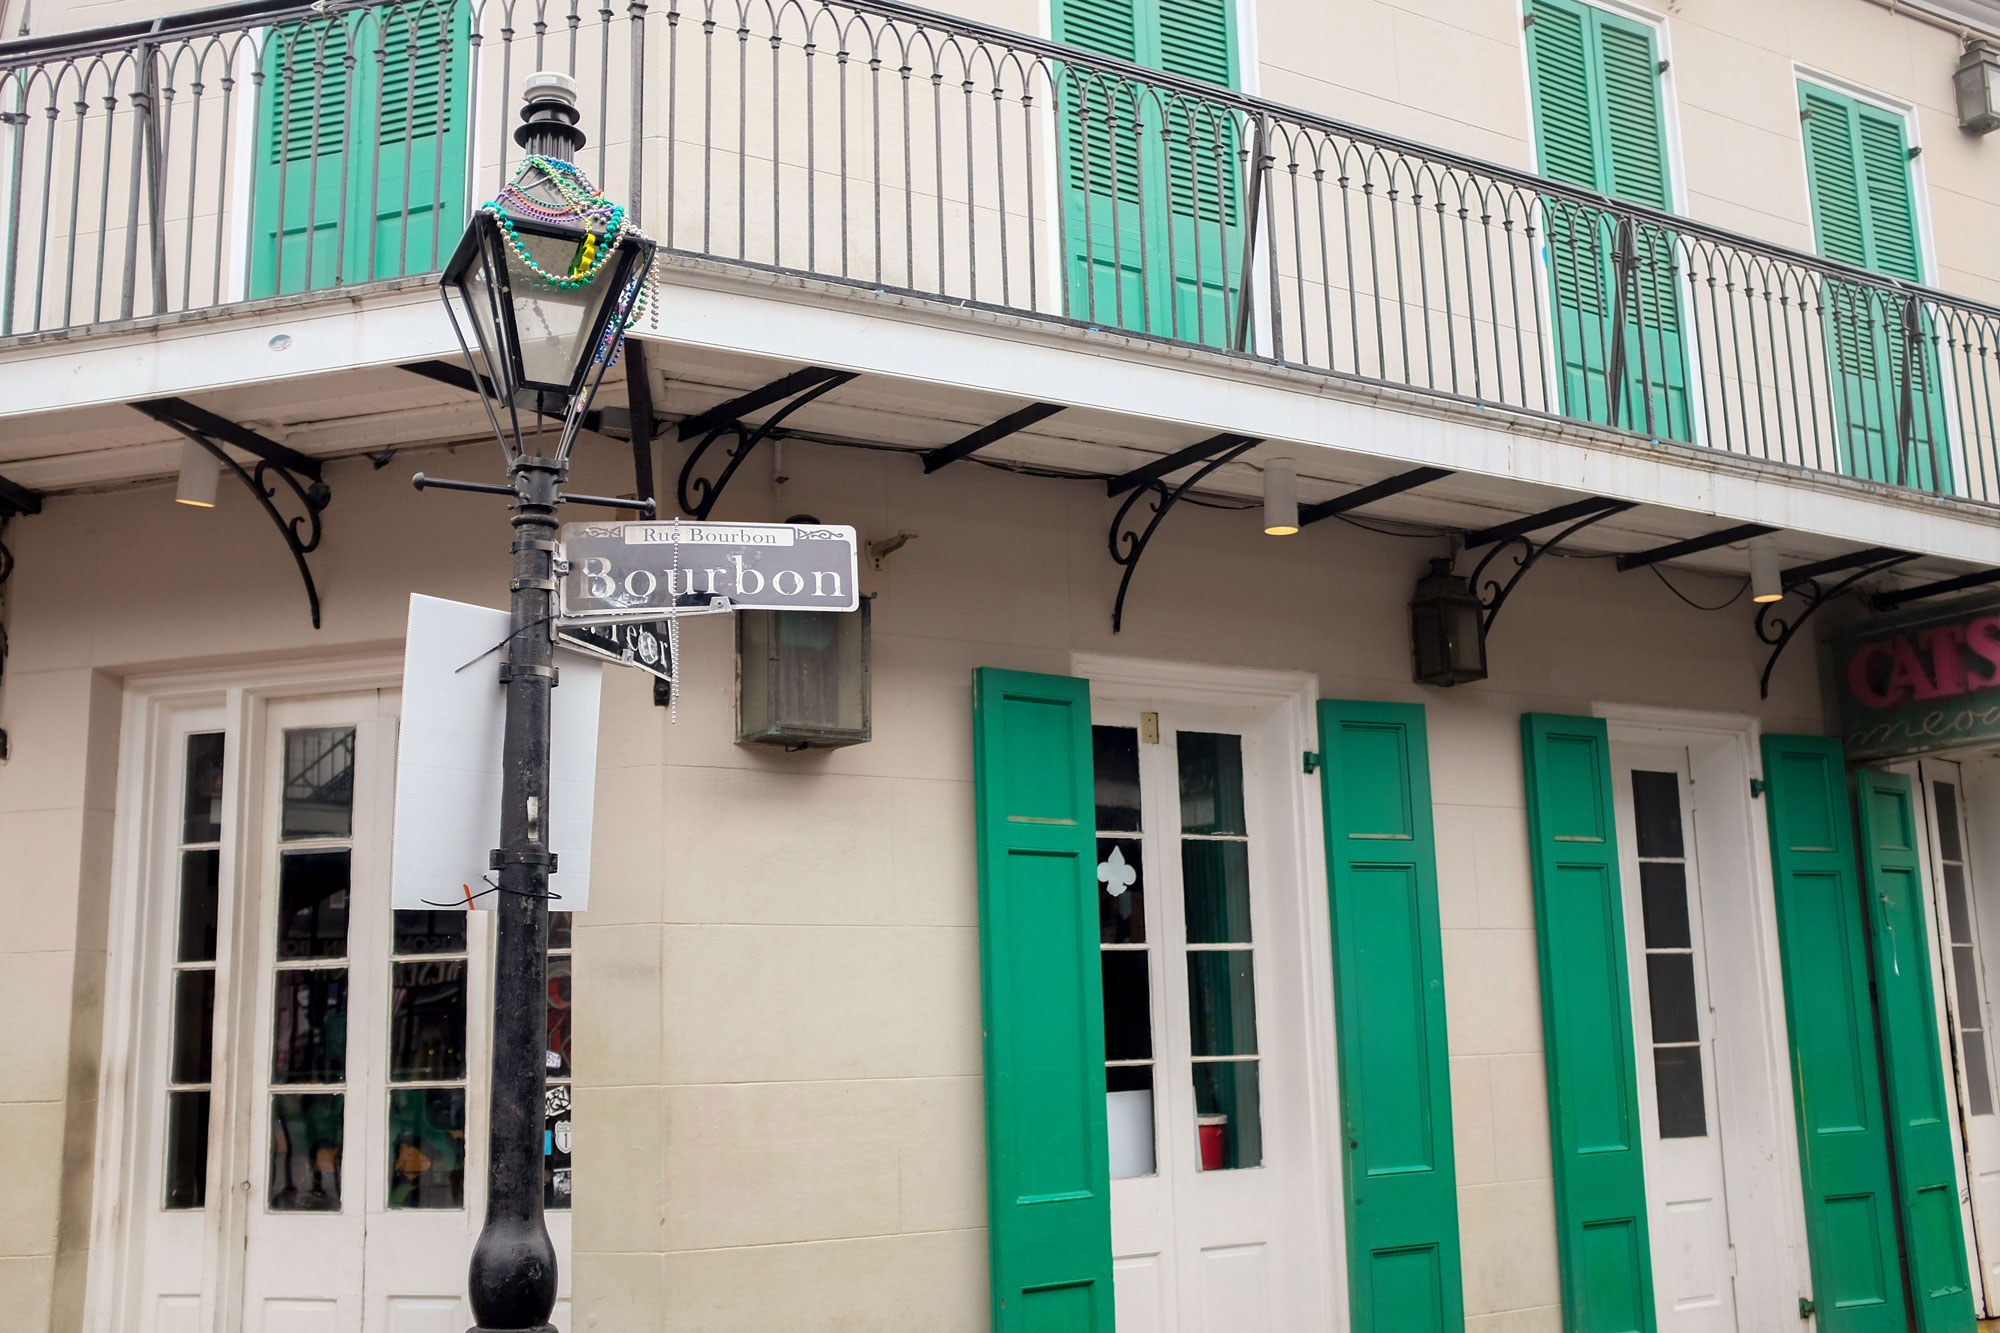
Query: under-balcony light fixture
(1281,497)
(1978,83)
(200,471)
(1766,584)
(1447,628)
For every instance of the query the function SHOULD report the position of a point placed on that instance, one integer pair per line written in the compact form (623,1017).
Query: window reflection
(308,1132)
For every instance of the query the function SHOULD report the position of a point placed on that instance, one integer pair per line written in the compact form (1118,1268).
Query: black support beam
(1520,527)
(458,377)
(778,390)
(18,499)
(1369,494)
(1742,532)
(1174,462)
(179,412)
(1977,579)
(985,435)
(1835,564)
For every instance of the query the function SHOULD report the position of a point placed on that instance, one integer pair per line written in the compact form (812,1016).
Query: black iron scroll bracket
(1128,540)
(698,494)
(276,466)
(1513,538)
(1777,624)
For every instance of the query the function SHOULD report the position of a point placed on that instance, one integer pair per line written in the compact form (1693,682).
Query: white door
(1673,1028)
(1960,978)
(1212,1195)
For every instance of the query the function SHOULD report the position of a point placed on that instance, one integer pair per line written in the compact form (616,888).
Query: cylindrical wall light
(200,471)
(1281,497)
(1766,584)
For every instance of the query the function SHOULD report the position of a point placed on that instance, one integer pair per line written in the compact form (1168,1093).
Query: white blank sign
(448,762)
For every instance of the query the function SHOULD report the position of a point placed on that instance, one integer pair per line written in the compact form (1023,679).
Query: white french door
(1674,1033)
(1205,996)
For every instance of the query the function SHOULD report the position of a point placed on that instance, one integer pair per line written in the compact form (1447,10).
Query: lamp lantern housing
(1447,628)
(1977,82)
(803,678)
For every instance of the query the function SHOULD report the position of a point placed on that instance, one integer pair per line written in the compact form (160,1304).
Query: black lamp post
(546,301)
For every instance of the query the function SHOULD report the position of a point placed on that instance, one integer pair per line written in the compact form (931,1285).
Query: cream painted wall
(779,1028)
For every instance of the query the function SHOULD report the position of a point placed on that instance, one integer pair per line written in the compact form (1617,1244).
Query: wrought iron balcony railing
(262,150)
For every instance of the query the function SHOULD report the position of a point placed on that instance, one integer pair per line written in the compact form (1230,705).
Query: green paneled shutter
(1395,1082)
(1865,214)
(1600,125)
(1047,1160)
(1594,1124)
(1920,1103)
(1151,184)
(360,157)
(1836,1076)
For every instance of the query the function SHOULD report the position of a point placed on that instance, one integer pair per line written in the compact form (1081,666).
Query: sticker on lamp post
(647,571)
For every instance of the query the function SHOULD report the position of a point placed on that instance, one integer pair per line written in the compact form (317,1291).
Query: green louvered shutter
(1864,214)
(1395,1081)
(1105,187)
(1203,150)
(1047,1158)
(416,201)
(1920,1103)
(1594,1125)
(308,95)
(1600,125)
(1836,1076)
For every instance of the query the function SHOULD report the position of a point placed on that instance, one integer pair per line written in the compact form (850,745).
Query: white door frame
(1759,1123)
(1286,700)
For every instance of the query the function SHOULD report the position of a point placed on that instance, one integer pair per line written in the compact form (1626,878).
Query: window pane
(319,783)
(1656,813)
(1965,968)
(427,1148)
(1128,1013)
(1226,1115)
(306,1137)
(1677,1073)
(187,1149)
(1663,898)
(427,1021)
(1670,987)
(201,878)
(1211,782)
(555,1147)
(194,1027)
(558,1051)
(1956,905)
(1121,892)
(310,1042)
(1222,1003)
(430,932)
(1128,1112)
(1947,817)
(1115,751)
(560,931)
(1978,1078)
(1215,884)
(201,820)
(312,905)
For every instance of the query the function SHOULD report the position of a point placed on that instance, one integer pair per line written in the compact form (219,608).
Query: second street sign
(643,644)
(641,571)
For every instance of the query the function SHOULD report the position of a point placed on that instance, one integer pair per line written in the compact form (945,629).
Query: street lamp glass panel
(482,302)
(554,325)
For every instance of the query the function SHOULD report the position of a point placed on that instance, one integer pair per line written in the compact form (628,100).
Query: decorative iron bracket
(14,499)
(698,494)
(1777,626)
(1128,543)
(1526,551)
(275,464)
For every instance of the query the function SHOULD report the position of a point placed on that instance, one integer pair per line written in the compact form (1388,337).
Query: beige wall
(779,1029)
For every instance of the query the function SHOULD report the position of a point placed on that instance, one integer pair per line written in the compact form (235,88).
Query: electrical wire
(1719,606)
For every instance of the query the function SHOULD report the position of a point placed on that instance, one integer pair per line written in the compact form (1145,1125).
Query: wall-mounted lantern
(1447,628)
(1978,84)
(802,678)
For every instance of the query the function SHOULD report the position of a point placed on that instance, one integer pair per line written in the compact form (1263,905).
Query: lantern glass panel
(803,677)
(553,325)
(480,301)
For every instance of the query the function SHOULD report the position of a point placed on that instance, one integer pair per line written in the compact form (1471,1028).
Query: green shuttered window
(1151,184)
(1048,1173)
(1594,1124)
(1600,125)
(1402,1204)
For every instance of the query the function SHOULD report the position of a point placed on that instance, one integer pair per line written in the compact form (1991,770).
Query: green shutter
(361,146)
(1395,1080)
(1837,1082)
(1151,183)
(1047,1160)
(1864,214)
(1600,125)
(1594,1123)
(1920,1104)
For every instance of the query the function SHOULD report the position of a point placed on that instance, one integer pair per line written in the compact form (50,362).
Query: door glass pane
(557,1133)
(1672,1000)
(1128,1013)
(427,1148)
(1215,880)
(1677,1072)
(312,905)
(191,1002)
(194,1027)
(431,932)
(1121,892)
(560,930)
(427,1021)
(187,1149)
(1228,1128)
(558,1190)
(1670,985)
(310,1041)
(557,1057)
(1978,1076)
(1222,1002)
(201,819)
(201,875)
(319,783)
(1129,1113)
(1947,819)
(1664,904)
(1966,999)
(1957,910)
(307,1133)
(1211,768)
(1125,958)
(1115,751)
(1656,814)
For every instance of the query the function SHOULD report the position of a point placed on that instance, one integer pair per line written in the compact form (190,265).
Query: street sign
(643,571)
(640,643)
